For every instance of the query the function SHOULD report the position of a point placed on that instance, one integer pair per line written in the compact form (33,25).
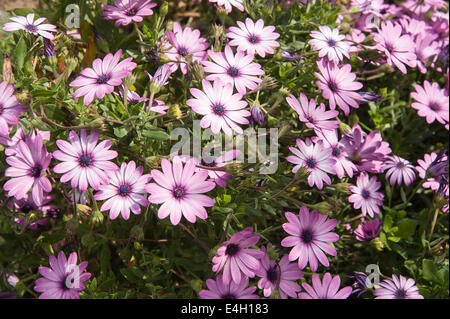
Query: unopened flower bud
(343,188)
(377,243)
(323,207)
(344,128)
(164,9)
(366,97)
(49,50)
(302,173)
(175,111)
(257,116)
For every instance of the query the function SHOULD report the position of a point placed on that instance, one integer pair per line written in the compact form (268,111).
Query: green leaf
(431,273)
(121,131)
(156,134)
(406,228)
(403,195)
(21,51)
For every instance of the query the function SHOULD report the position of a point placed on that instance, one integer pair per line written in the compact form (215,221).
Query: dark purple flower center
(218,109)
(31,28)
(307,236)
(124,190)
(232,249)
(209,162)
(365,194)
(331,43)
(26,208)
(228,296)
(272,274)
(311,163)
(333,86)
(1,108)
(253,39)
(54,213)
(400,165)
(85,160)
(130,13)
(232,71)
(336,151)
(183,51)
(434,106)
(310,119)
(68,283)
(36,171)
(389,47)
(179,192)
(102,79)
(400,293)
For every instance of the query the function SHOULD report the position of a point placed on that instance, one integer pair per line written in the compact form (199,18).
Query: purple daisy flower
(102,77)
(84,162)
(328,288)
(128,11)
(316,158)
(124,191)
(234,256)
(30,26)
(330,43)
(279,275)
(10,108)
(422,169)
(310,237)
(365,195)
(132,97)
(397,288)
(64,279)
(368,229)
(217,289)
(27,169)
(399,170)
(180,191)
(229,3)
(235,69)
(431,102)
(20,135)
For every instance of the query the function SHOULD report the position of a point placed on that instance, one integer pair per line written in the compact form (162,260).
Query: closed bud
(97,217)
(197,71)
(218,31)
(164,9)
(23,97)
(323,207)
(377,243)
(257,116)
(83,210)
(302,173)
(284,91)
(343,188)
(175,111)
(129,81)
(344,128)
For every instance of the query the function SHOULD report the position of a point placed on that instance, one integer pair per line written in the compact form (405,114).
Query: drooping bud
(366,97)
(49,50)
(257,116)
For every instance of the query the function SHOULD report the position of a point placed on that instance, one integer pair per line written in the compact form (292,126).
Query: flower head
(397,288)
(160,78)
(128,11)
(368,229)
(328,288)
(330,43)
(10,108)
(431,102)
(365,195)
(229,4)
(360,284)
(29,25)
(399,170)
(217,289)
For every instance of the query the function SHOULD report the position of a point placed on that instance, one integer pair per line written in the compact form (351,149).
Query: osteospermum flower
(234,256)
(397,288)
(330,43)
(128,11)
(338,85)
(222,109)
(64,279)
(10,108)
(365,195)
(183,43)
(398,48)
(217,289)
(328,288)
(422,169)
(235,69)
(102,77)
(368,229)
(84,162)
(399,170)
(431,102)
(180,191)
(279,275)
(310,238)
(124,191)
(315,158)
(229,3)
(251,37)
(28,24)
(27,169)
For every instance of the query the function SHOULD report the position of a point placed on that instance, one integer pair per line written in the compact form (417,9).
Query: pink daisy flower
(316,158)
(84,163)
(234,256)
(251,37)
(158,106)
(314,117)
(30,26)
(279,275)
(330,43)
(20,135)
(431,102)
(217,289)
(132,97)
(398,48)
(229,3)
(102,77)
(160,78)
(235,69)
(128,11)
(27,169)
(399,171)
(426,48)
(328,288)
(422,170)
(124,191)
(10,108)
(180,191)
(368,229)
(183,43)
(365,195)
(64,279)
(222,109)
(397,288)
(338,85)
(310,237)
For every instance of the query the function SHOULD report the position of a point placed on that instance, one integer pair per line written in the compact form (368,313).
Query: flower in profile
(316,158)
(253,37)
(314,117)
(360,284)
(368,229)
(229,3)
(84,163)
(431,102)
(20,135)
(310,237)
(234,256)
(132,97)
(366,97)
(330,43)
(217,289)
(397,288)
(328,288)
(29,25)
(64,279)
(102,77)
(279,275)
(27,169)
(338,85)
(180,191)
(183,44)
(399,170)
(398,48)
(365,195)
(423,168)
(222,109)
(160,78)
(128,11)
(235,69)
(10,108)
(124,191)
